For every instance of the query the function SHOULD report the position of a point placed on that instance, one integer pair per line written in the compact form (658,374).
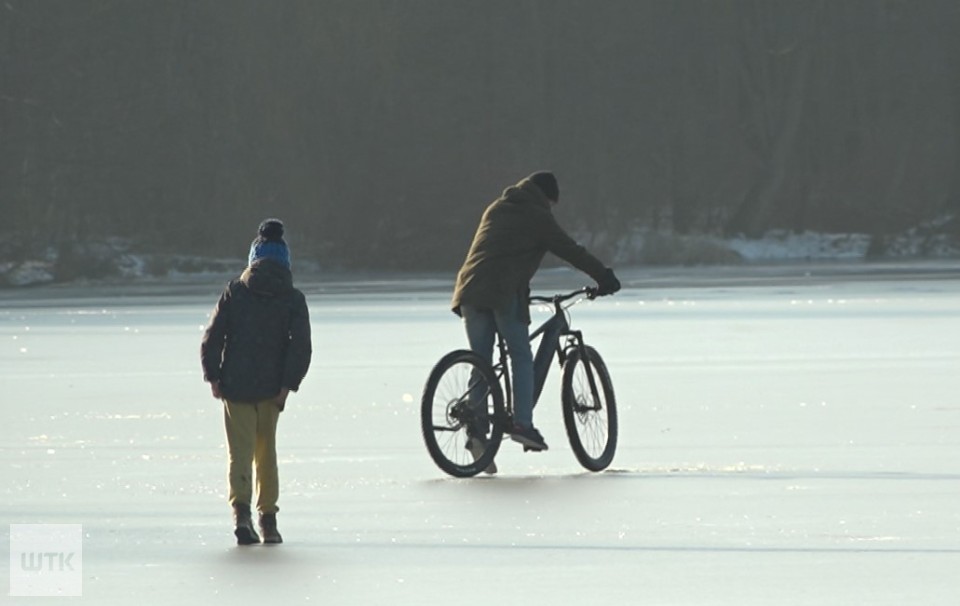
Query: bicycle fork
(575,341)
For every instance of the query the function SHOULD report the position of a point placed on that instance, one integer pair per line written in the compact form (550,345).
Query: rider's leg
(512,324)
(481,330)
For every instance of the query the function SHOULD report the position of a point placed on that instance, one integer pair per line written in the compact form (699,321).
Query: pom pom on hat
(271,229)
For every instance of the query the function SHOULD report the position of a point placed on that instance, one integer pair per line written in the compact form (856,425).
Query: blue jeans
(482,326)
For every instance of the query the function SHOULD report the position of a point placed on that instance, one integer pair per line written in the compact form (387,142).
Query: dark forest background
(378,130)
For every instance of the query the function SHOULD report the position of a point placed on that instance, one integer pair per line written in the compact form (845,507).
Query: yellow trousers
(252,443)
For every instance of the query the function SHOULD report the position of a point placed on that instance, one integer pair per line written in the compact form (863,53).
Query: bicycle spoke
(591,421)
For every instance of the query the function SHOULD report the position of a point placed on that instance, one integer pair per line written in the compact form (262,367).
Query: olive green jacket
(515,233)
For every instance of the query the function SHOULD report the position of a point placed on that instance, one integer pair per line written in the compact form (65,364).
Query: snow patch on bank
(782,245)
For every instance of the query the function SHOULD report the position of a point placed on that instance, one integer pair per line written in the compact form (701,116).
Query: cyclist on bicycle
(493,286)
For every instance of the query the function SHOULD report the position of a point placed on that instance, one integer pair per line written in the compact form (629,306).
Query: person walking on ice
(255,351)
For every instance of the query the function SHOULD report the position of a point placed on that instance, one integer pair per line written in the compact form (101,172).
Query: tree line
(379,129)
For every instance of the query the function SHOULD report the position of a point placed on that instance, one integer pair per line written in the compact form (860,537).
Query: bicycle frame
(551,333)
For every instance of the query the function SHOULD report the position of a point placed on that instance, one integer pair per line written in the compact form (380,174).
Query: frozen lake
(781,442)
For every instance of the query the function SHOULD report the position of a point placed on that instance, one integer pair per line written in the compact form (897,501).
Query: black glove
(608,284)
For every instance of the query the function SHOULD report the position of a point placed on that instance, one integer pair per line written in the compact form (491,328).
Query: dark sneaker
(477,446)
(268,526)
(244,531)
(529,437)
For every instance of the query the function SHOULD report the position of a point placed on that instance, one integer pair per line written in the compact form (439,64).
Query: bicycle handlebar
(590,291)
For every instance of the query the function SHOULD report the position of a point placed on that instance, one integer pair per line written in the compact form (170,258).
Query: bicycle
(464,396)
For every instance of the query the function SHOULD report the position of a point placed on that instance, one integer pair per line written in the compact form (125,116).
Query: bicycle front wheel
(589,413)
(461,414)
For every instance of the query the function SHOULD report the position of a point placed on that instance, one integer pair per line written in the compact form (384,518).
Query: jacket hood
(526,191)
(267,277)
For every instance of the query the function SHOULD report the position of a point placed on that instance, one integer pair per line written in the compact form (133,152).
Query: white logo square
(46,559)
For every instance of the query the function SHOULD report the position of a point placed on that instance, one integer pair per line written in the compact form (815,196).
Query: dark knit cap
(547,184)
(269,244)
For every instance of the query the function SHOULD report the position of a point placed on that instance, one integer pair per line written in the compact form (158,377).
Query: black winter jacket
(258,340)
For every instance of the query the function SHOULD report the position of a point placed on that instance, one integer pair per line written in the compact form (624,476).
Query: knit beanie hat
(269,244)
(547,184)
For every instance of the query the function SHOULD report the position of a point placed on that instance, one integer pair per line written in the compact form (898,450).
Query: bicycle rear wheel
(462,400)
(590,418)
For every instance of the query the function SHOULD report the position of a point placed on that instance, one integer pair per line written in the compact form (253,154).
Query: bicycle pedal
(531,449)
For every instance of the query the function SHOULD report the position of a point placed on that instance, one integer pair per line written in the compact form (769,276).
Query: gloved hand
(608,284)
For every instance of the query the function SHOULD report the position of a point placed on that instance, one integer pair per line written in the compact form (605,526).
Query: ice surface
(784,442)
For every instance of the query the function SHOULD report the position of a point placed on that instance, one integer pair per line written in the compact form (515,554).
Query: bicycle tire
(591,426)
(447,413)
